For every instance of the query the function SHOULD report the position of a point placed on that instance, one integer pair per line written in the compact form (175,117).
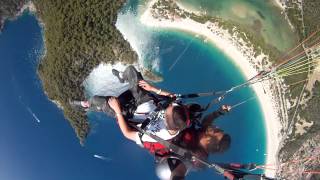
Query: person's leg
(100,104)
(132,76)
(117,74)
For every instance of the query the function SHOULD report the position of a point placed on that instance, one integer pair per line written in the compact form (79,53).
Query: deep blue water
(50,150)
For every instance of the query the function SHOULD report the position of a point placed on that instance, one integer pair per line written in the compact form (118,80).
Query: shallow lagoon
(260,16)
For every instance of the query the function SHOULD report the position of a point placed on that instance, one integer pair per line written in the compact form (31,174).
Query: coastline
(243,57)
(281,4)
(28,6)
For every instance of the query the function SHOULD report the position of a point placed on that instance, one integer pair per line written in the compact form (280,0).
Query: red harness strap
(156,148)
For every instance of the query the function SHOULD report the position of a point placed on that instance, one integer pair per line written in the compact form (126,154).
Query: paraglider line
(182,53)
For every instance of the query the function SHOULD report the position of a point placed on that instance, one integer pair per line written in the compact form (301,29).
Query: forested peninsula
(79,35)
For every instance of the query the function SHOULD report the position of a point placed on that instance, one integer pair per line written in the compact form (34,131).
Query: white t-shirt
(143,110)
(157,127)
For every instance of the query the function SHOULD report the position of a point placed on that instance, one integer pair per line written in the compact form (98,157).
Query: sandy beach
(280,4)
(242,56)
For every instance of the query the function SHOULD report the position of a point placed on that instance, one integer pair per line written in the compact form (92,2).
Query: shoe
(117,74)
(75,104)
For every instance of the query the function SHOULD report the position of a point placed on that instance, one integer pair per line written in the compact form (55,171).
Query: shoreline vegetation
(252,55)
(79,35)
(10,9)
(304,100)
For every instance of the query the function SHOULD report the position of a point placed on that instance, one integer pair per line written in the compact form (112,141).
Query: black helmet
(165,167)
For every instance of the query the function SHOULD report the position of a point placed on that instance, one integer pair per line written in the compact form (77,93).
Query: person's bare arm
(208,119)
(146,86)
(125,129)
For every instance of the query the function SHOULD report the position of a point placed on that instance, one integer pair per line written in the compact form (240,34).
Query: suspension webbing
(189,156)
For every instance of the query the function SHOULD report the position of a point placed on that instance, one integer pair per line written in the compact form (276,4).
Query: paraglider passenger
(139,104)
(201,141)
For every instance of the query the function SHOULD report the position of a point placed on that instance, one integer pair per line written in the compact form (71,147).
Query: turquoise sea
(49,149)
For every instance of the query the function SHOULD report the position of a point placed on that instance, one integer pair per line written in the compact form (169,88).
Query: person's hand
(250,166)
(173,96)
(146,86)
(114,104)
(225,108)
